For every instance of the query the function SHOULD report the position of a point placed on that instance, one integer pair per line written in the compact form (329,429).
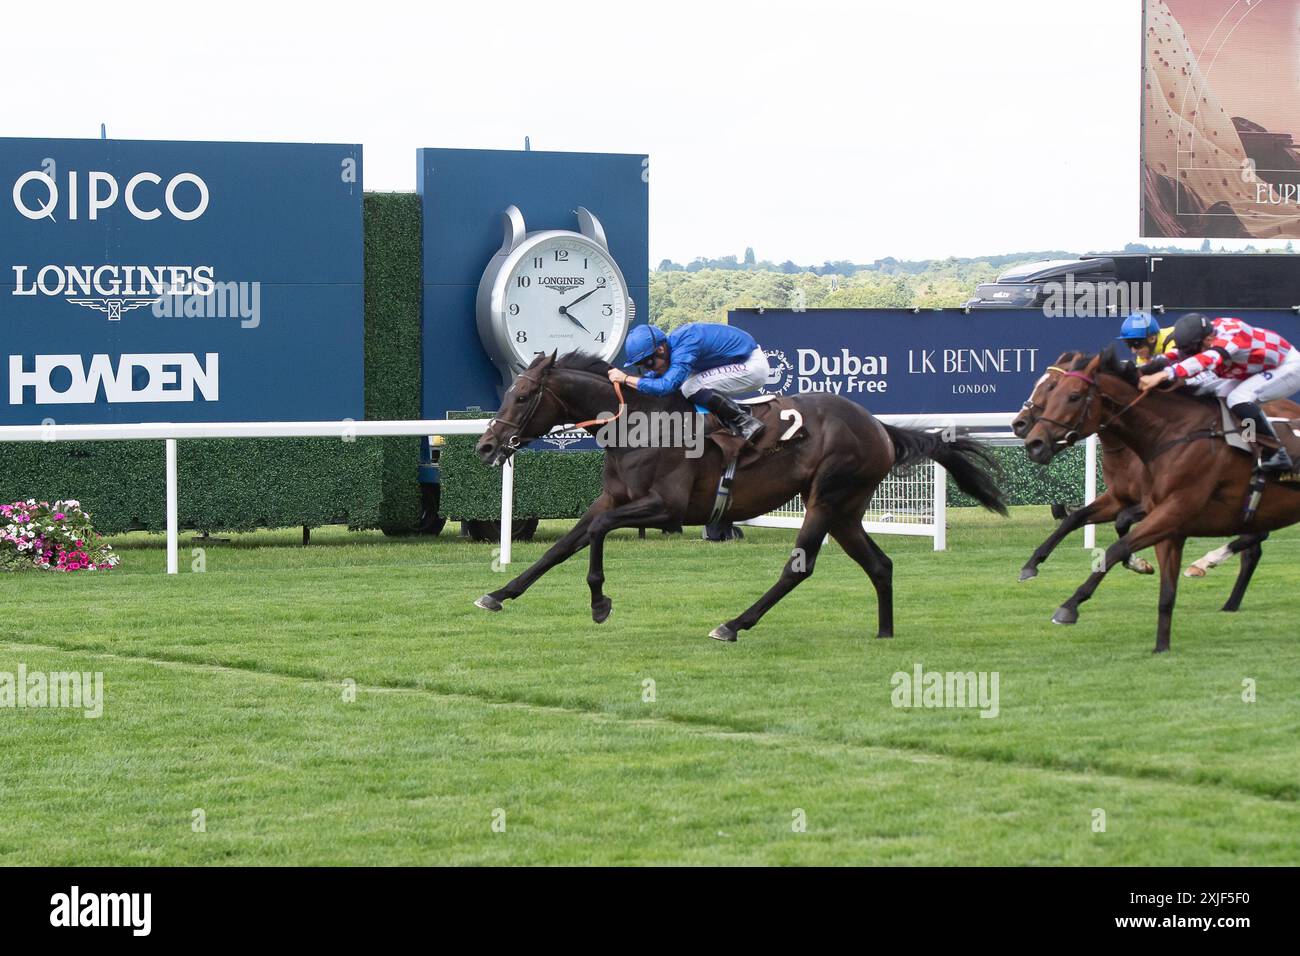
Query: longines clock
(552,290)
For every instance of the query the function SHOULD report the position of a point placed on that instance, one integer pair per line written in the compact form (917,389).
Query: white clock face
(564,294)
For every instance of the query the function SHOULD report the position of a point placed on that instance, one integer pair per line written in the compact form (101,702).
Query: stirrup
(747,427)
(1277,463)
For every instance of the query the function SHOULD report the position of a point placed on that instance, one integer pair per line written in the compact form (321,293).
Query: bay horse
(1126,479)
(845,454)
(1198,483)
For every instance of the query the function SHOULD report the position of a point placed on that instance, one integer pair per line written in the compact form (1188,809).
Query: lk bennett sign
(897,361)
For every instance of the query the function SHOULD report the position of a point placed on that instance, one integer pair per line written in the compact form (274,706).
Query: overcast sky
(809,130)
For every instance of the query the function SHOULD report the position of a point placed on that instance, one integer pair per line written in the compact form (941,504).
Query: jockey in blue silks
(707,361)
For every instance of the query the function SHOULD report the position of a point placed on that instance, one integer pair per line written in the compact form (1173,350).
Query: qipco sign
(141,195)
(175,282)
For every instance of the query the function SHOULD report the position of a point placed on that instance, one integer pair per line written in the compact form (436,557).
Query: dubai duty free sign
(179,281)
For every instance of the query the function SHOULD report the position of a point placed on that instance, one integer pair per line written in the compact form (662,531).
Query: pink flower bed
(51,537)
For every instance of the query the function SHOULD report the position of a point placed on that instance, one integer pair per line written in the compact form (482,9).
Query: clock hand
(564,310)
(594,290)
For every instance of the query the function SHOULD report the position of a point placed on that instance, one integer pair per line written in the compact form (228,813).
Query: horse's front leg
(561,551)
(1100,511)
(1160,524)
(650,510)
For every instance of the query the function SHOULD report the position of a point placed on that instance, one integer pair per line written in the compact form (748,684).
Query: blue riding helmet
(1139,325)
(642,341)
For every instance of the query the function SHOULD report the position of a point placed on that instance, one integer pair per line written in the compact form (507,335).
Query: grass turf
(225,693)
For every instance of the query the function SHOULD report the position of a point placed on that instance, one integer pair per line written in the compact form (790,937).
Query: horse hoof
(1160,650)
(1065,615)
(723,633)
(1194,572)
(1141,566)
(601,610)
(1027,573)
(884,635)
(488,603)
(1229,609)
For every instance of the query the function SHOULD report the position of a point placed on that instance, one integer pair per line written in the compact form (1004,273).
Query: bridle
(514,441)
(1072,429)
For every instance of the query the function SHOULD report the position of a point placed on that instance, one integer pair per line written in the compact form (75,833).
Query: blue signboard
(463,194)
(180,281)
(898,361)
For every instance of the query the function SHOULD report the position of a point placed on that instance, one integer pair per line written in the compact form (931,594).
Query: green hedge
(393,359)
(225,485)
(237,485)
(548,484)
(1026,483)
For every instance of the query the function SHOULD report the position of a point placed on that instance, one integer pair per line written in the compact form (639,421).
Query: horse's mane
(583,362)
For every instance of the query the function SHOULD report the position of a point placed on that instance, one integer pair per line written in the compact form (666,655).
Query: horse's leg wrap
(1211,560)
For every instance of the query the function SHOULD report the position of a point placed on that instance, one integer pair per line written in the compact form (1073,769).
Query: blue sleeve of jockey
(685,352)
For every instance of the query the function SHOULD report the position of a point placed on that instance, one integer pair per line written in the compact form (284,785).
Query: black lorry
(1207,281)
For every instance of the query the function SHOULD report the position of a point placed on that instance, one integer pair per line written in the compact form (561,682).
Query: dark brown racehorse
(1198,483)
(1126,480)
(838,465)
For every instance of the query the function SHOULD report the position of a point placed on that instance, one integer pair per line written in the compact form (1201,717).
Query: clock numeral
(584,262)
(523,282)
(609,308)
(561,255)
(514,309)
(602,337)
(600,282)
(521,336)
(537,262)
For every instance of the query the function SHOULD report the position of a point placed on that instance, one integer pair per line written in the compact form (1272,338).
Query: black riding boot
(1271,460)
(738,421)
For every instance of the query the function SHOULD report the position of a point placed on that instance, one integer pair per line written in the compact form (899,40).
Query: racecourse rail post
(1090,489)
(940,507)
(507,508)
(172,563)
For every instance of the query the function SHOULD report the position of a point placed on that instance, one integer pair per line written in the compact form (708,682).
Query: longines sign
(172,281)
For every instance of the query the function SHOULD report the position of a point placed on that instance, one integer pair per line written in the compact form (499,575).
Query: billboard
(463,193)
(1219,119)
(901,362)
(180,281)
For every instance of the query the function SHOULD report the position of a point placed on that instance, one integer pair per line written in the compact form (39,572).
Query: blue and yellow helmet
(1139,325)
(642,341)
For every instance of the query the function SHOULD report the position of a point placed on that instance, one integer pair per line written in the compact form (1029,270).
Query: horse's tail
(969,462)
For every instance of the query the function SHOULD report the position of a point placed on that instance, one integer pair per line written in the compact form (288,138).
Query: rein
(542,388)
(1093,390)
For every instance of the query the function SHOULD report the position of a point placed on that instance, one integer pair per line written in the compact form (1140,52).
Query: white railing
(901,506)
(914,500)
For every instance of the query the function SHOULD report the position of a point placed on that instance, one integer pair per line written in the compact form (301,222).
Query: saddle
(774,437)
(1288,430)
